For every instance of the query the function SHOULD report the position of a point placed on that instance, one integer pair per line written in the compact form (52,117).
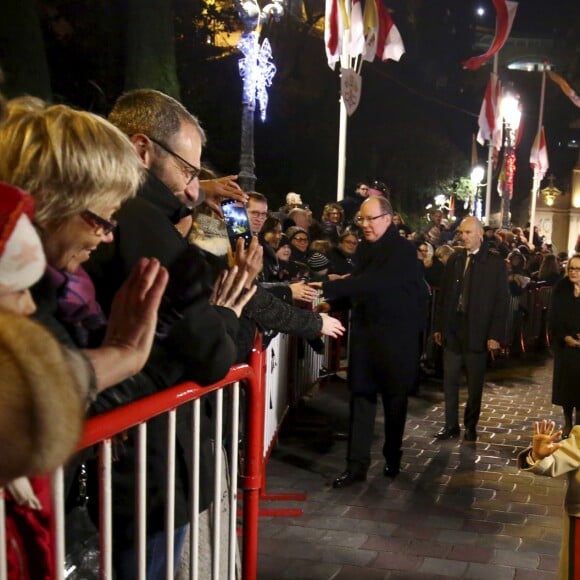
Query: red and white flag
(505,14)
(490,121)
(539,154)
(566,88)
(357,31)
(335,21)
(389,42)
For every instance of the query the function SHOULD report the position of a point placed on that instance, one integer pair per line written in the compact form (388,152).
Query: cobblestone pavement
(456,510)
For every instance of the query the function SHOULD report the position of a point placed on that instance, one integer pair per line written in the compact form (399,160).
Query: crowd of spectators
(138,288)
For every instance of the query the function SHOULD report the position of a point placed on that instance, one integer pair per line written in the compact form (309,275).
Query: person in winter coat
(470,314)
(385,295)
(565,327)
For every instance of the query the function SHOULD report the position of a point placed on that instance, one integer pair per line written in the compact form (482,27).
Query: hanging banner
(350,89)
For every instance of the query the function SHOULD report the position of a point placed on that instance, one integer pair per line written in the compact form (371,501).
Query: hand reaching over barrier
(331,326)
(304,292)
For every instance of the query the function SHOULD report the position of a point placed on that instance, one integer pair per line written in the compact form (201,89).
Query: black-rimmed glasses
(102,226)
(192,170)
(362,219)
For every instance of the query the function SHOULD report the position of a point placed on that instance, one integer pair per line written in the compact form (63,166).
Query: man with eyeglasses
(386,296)
(198,338)
(257,209)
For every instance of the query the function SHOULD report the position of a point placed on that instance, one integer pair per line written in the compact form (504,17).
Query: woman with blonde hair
(331,223)
(80,169)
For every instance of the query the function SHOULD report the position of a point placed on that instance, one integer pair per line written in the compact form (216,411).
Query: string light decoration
(257,70)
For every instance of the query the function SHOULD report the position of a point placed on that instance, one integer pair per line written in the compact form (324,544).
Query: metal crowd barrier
(527,323)
(275,379)
(100,430)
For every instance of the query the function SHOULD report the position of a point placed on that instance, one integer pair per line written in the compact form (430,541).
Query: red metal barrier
(105,426)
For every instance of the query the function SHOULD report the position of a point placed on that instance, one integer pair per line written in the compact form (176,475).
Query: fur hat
(318,262)
(22,260)
(41,410)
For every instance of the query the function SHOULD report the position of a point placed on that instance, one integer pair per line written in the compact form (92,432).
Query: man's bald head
(471,231)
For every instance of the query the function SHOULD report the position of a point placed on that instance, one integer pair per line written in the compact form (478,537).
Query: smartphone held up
(237,222)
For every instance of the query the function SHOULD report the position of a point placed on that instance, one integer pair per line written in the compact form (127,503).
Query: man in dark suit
(470,320)
(385,292)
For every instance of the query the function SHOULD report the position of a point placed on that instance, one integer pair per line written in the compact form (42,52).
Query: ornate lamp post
(511,114)
(257,71)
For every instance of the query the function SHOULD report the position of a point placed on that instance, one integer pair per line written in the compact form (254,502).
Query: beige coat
(564,461)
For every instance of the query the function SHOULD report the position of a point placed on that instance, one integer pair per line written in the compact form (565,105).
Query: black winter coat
(387,297)
(199,337)
(565,321)
(488,299)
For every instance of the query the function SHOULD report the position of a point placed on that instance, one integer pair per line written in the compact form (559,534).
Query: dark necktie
(465,286)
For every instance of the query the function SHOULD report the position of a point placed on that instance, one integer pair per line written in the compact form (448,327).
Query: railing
(100,431)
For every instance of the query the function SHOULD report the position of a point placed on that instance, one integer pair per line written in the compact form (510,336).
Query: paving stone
(356,573)
(299,533)
(489,572)
(519,559)
(347,539)
(397,561)
(448,568)
(303,569)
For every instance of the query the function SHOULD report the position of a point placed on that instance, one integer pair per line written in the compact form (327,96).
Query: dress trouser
(475,365)
(362,422)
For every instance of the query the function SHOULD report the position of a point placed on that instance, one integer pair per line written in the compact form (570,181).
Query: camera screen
(237,222)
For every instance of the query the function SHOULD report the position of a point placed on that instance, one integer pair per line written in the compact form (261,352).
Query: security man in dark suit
(385,292)
(470,320)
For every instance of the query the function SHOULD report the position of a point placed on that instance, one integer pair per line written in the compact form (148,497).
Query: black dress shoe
(347,478)
(470,435)
(391,471)
(446,433)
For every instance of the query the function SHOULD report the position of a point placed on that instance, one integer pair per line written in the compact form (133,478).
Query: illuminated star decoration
(257,69)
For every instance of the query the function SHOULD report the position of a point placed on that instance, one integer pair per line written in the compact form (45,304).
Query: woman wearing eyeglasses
(342,258)
(565,326)
(79,170)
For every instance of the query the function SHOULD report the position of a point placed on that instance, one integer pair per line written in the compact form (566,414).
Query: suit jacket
(488,298)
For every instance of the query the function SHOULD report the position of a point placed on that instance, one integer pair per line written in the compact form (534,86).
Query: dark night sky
(415,118)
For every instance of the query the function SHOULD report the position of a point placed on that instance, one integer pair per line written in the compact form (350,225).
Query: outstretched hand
(331,326)
(229,291)
(216,189)
(133,318)
(303,292)
(544,439)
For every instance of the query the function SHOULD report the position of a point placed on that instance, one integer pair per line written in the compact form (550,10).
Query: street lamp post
(511,114)
(255,80)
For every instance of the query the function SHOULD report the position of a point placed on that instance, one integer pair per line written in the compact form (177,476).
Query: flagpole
(537,179)
(343,117)
(490,162)
(341,151)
